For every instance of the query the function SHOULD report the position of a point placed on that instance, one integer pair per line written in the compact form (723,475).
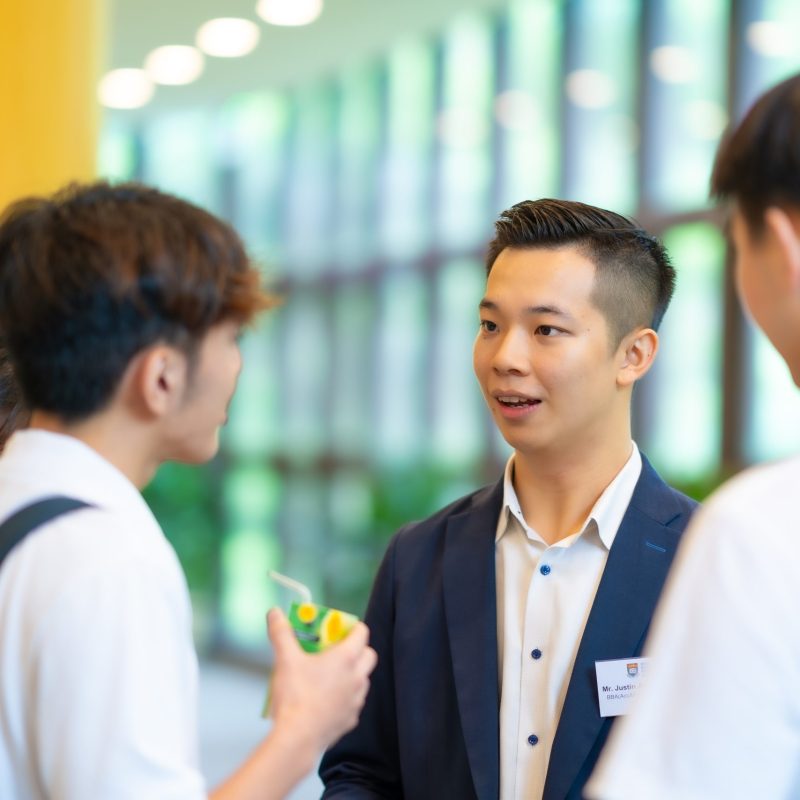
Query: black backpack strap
(14,529)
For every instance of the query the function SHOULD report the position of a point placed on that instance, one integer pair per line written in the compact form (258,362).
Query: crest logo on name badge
(633,669)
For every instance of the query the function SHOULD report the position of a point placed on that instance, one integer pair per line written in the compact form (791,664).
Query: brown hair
(634,278)
(96,273)
(13,413)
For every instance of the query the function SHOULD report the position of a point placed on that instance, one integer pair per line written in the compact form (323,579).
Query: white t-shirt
(544,596)
(98,674)
(718,717)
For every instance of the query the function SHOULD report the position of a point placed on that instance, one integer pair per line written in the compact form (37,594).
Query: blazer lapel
(471,618)
(626,597)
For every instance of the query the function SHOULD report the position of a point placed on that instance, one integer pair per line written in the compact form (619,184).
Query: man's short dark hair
(758,161)
(13,413)
(634,279)
(97,273)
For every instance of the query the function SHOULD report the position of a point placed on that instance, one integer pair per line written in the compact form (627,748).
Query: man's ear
(159,379)
(635,355)
(785,228)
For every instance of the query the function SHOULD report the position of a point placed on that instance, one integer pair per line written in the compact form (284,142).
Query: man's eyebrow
(490,305)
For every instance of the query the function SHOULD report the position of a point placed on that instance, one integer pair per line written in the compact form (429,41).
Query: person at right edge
(489,617)
(720,716)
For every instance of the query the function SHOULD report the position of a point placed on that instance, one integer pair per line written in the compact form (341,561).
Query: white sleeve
(719,714)
(115,692)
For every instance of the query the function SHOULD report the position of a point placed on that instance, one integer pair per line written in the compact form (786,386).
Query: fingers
(363,667)
(356,640)
(369,659)
(361,692)
(281,635)
(353,650)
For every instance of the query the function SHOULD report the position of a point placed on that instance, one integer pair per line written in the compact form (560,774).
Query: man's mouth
(516,400)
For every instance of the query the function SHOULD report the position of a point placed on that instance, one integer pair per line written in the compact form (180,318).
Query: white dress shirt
(544,595)
(718,717)
(98,675)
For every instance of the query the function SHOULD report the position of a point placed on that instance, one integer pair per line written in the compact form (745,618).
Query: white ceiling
(347,32)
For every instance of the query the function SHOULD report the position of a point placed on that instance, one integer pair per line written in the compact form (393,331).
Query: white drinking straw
(291,583)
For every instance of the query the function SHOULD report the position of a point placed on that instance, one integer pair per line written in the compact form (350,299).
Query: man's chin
(529,445)
(195,452)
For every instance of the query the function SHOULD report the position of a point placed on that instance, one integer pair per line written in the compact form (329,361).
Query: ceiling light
(125,88)
(174,64)
(769,39)
(590,88)
(673,64)
(228,37)
(516,110)
(289,12)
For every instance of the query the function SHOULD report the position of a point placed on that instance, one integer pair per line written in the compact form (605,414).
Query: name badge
(617,683)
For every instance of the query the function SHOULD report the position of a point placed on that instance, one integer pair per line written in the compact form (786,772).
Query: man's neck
(556,491)
(116,440)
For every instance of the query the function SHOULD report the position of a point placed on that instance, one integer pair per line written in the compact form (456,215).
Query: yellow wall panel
(50,58)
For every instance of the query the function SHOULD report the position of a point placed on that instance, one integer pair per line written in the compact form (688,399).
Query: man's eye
(488,325)
(547,330)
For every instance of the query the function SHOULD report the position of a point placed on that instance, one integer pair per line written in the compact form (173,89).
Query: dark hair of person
(634,279)
(13,412)
(97,273)
(758,161)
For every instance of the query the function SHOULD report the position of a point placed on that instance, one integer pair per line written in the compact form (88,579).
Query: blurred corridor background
(364,158)
(364,148)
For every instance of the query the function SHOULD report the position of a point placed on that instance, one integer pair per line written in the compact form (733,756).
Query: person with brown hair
(720,717)
(121,307)
(13,413)
(490,616)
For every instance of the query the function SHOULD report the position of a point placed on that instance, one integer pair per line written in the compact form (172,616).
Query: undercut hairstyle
(634,279)
(758,161)
(97,273)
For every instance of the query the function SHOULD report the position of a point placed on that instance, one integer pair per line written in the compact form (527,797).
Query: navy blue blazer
(430,726)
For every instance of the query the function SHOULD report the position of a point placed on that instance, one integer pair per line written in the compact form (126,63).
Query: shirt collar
(605,515)
(54,463)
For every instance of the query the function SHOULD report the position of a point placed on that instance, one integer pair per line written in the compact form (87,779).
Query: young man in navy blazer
(489,616)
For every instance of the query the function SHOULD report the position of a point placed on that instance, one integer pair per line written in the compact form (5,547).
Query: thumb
(281,635)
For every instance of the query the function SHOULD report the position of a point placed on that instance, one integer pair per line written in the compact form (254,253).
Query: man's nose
(512,354)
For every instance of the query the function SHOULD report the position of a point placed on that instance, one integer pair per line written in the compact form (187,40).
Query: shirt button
(536,653)
(545,569)
(533,739)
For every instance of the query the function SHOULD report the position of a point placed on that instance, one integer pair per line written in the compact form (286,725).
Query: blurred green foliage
(401,495)
(700,488)
(184,501)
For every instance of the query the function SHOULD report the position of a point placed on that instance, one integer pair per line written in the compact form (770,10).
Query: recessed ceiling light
(591,88)
(125,88)
(228,37)
(289,12)
(769,39)
(516,110)
(674,64)
(174,64)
